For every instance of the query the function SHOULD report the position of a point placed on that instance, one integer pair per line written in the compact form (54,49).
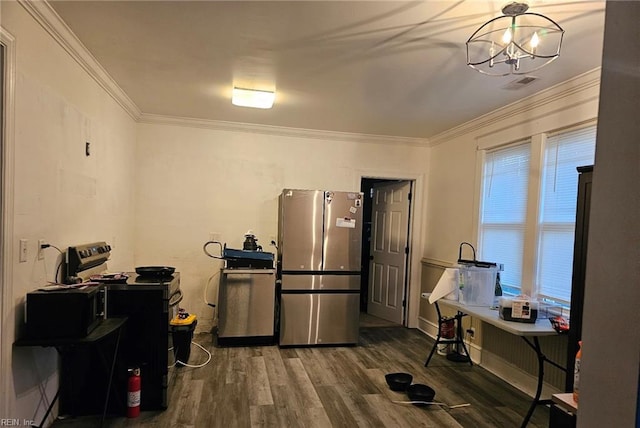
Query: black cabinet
(561,418)
(579,268)
(145,343)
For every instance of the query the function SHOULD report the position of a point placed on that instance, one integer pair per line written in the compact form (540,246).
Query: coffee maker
(251,242)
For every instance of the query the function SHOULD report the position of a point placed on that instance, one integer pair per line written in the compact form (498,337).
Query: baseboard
(516,377)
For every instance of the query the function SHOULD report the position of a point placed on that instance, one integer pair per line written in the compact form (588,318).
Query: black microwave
(72,313)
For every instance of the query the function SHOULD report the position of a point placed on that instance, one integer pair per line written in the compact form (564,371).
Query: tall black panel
(579,268)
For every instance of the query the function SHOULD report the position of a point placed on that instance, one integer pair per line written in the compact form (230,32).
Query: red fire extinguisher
(133,396)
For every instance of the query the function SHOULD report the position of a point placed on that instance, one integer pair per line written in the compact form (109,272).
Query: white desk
(542,327)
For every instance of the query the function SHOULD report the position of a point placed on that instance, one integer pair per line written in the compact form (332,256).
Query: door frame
(6,212)
(415,242)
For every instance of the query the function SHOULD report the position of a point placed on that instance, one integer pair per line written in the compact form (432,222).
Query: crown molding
(580,83)
(281,131)
(47,17)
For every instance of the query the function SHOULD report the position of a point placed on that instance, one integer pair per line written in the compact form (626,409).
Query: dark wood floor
(330,386)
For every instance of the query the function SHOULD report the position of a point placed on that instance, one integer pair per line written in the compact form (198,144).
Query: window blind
(564,152)
(503,210)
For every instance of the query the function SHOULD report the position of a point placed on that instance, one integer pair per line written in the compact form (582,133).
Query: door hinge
(409,196)
(404,303)
(406,250)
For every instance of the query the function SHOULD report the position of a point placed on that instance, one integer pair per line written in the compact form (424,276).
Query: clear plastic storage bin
(477,285)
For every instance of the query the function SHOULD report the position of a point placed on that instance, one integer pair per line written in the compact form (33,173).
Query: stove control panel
(86,256)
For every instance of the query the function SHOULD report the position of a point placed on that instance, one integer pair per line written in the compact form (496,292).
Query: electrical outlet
(23,250)
(41,242)
(472,332)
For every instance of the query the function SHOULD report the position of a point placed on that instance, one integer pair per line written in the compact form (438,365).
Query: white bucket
(443,348)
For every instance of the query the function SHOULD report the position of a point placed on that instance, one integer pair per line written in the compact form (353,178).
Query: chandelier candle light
(515,43)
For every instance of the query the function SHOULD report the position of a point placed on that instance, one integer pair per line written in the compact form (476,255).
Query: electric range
(149,303)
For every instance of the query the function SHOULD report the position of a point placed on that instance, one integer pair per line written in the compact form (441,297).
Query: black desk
(106,328)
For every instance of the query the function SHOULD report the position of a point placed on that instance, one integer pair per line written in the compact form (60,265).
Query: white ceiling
(389,68)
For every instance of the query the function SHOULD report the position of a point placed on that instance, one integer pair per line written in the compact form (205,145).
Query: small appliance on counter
(73,310)
(250,257)
(520,309)
(69,312)
(251,242)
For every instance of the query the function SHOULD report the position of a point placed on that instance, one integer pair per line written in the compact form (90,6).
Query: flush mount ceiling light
(252,98)
(516,43)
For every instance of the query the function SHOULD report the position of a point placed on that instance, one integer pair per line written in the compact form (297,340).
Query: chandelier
(516,43)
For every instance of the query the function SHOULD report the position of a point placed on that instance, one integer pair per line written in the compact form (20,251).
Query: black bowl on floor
(398,381)
(420,392)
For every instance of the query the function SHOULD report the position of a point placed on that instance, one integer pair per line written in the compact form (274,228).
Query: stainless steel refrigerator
(319,246)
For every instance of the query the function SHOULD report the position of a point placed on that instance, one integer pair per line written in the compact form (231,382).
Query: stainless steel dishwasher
(246,307)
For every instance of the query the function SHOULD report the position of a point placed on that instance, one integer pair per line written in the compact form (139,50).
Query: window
(504,209)
(506,233)
(563,154)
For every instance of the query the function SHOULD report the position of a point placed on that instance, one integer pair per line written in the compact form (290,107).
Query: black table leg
(438,335)
(460,336)
(541,358)
(46,414)
(113,364)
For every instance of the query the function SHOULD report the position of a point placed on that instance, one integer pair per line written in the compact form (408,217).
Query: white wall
(191,182)
(59,194)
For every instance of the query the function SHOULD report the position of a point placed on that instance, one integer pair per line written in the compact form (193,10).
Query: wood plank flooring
(267,386)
